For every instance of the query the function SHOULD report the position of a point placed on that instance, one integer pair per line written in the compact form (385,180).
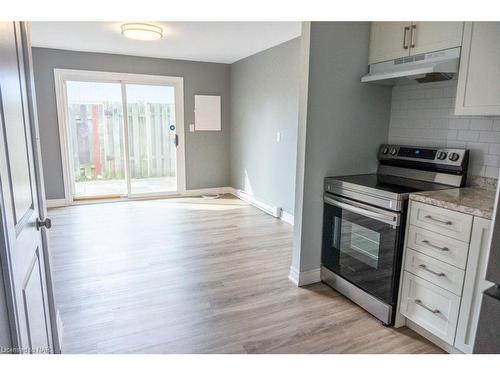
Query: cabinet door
(388,41)
(474,285)
(478,90)
(435,36)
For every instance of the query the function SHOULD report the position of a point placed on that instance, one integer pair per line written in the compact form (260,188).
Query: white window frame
(61,76)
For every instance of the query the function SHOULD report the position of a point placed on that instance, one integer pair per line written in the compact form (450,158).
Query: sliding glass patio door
(122,136)
(96,127)
(151,139)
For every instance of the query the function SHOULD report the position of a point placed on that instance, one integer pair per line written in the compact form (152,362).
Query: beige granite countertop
(471,200)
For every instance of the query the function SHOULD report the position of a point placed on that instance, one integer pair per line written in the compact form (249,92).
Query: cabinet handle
(406,29)
(428,243)
(424,267)
(421,304)
(413,32)
(445,222)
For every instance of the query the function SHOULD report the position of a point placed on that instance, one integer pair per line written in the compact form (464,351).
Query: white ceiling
(223,42)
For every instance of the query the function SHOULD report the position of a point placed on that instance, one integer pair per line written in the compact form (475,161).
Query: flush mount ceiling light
(142,31)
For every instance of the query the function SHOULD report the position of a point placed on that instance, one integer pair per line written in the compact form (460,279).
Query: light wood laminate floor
(198,276)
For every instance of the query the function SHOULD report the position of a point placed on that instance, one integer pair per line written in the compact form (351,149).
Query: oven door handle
(391,219)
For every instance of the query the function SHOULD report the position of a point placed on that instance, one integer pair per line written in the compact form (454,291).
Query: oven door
(362,244)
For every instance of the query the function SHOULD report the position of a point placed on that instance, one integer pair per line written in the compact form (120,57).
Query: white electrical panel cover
(207,112)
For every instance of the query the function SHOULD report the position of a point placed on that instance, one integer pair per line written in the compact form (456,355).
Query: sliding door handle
(176,140)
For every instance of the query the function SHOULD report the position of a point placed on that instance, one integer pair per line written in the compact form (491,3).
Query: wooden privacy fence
(97,135)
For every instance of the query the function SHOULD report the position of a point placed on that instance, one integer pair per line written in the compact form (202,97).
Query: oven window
(356,241)
(362,250)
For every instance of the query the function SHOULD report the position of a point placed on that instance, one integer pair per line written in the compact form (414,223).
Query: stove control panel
(440,156)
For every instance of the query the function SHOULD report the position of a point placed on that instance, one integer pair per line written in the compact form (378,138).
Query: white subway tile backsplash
(490,137)
(491,160)
(494,149)
(480,124)
(459,123)
(424,114)
(468,135)
(491,172)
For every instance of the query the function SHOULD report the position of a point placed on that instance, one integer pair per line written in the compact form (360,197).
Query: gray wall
(207,153)
(346,122)
(424,114)
(264,101)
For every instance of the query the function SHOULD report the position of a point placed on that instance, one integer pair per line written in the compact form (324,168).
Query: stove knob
(454,156)
(385,150)
(442,155)
(393,151)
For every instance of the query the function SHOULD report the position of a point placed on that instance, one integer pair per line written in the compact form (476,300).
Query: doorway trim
(63,75)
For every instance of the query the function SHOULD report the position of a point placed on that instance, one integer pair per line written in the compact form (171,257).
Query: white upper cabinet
(478,90)
(435,36)
(391,40)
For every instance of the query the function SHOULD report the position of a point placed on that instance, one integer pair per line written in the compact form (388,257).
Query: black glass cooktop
(386,183)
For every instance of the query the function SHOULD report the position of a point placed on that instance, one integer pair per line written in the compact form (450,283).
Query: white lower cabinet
(439,273)
(430,306)
(444,273)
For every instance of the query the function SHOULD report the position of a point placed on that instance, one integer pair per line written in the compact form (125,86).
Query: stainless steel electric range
(364,221)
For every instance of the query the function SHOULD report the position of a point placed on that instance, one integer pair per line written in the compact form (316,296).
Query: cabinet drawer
(450,223)
(435,271)
(443,248)
(430,306)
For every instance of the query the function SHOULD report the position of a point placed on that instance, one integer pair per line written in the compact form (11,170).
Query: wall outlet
(191,128)
(278,137)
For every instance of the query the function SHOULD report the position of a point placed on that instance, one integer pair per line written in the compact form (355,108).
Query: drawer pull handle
(445,222)
(421,304)
(428,243)
(424,267)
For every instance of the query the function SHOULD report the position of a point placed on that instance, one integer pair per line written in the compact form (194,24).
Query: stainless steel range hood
(426,67)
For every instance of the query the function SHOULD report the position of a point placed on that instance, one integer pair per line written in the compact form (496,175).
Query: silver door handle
(421,304)
(406,29)
(445,222)
(413,32)
(47,223)
(392,220)
(428,243)
(424,267)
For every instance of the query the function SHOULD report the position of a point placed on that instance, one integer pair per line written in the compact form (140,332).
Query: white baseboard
(266,207)
(270,209)
(304,277)
(52,203)
(208,191)
(287,218)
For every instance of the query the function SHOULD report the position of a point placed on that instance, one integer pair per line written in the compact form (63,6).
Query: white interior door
(21,243)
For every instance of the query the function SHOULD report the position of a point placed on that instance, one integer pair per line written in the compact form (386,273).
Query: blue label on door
(172,127)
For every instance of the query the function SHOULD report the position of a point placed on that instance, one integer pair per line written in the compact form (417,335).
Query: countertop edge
(453,206)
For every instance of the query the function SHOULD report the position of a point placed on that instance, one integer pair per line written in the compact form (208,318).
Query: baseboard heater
(271,210)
